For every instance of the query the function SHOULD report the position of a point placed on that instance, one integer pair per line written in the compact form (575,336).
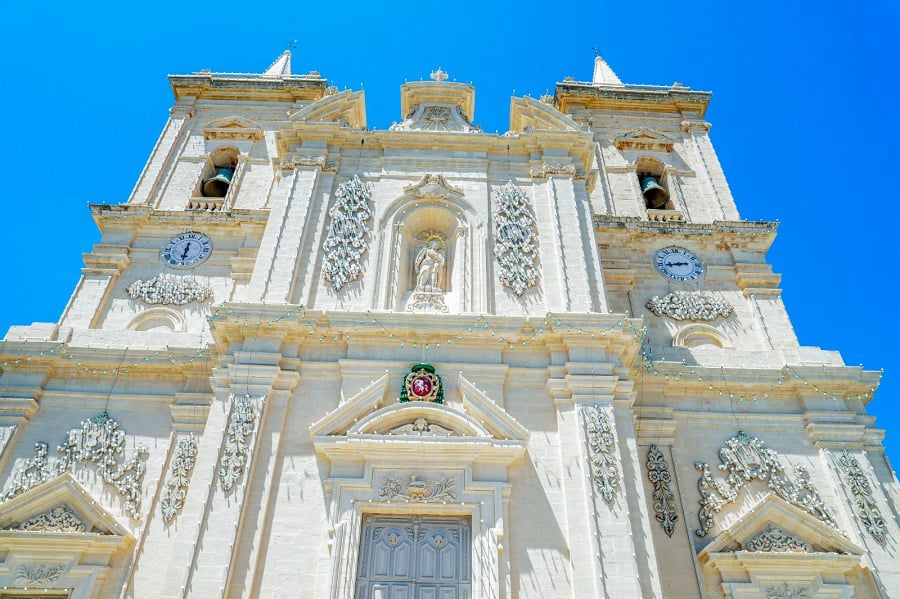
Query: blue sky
(804,119)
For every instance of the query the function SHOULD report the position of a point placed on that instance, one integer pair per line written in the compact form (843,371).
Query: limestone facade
(311,359)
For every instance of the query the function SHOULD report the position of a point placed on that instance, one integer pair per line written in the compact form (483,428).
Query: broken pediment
(347,108)
(644,138)
(375,425)
(528,114)
(232,127)
(436,118)
(433,187)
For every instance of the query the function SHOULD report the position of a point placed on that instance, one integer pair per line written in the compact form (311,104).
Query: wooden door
(415,557)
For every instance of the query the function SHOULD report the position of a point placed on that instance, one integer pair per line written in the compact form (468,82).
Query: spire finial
(603,74)
(282,65)
(439,75)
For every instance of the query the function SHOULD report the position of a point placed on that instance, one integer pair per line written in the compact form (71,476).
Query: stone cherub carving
(430,266)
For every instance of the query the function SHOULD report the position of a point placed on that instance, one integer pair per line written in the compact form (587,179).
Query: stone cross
(439,75)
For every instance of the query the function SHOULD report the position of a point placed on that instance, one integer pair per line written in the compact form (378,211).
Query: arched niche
(430,213)
(157,319)
(699,335)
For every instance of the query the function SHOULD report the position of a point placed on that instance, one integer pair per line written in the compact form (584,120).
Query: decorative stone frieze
(35,471)
(786,591)
(319,162)
(422,428)
(865,507)
(59,519)
(604,471)
(38,576)
(546,170)
(745,459)
(176,487)
(514,240)
(237,447)
(687,305)
(419,489)
(777,540)
(346,241)
(170,290)
(663,498)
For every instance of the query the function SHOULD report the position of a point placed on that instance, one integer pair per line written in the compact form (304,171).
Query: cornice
(106,216)
(643,98)
(242,86)
(750,235)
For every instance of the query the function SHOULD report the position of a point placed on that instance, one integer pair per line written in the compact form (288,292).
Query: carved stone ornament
(176,487)
(436,117)
(418,490)
(663,498)
(35,471)
(169,290)
(59,519)
(785,591)
(422,384)
(100,441)
(319,162)
(546,170)
(237,447)
(777,540)
(514,240)
(346,241)
(745,459)
(866,509)
(600,441)
(422,428)
(38,576)
(685,305)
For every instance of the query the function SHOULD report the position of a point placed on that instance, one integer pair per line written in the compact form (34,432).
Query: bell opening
(217,185)
(655,195)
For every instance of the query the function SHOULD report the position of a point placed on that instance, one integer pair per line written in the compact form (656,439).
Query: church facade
(310,359)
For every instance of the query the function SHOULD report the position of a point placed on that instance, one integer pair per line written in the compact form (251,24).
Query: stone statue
(430,266)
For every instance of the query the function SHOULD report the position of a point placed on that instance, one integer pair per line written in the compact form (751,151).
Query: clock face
(186,250)
(678,264)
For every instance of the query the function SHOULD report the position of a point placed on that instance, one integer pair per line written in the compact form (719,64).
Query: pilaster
(102,267)
(697,131)
(172,134)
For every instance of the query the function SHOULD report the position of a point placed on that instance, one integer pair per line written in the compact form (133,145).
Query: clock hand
(676,263)
(186,248)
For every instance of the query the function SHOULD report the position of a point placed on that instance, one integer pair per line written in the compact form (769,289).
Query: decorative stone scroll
(785,591)
(237,447)
(514,240)
(866,509)
(419,490)
(663,498)
(346,241)
(545,170)
(745,459)
(685,305)
(35,471)
(39,576)
(59,519)
(100,441)
(170,290)
(600,441)
(176,487)
(777,540)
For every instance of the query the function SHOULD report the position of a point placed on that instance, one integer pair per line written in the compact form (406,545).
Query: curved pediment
(347,107)
(419,419)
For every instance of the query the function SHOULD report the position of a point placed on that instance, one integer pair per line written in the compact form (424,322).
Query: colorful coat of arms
(422,384)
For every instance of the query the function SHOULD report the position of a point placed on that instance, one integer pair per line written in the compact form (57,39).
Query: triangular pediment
(61,504)
(347,108)
(528,114)
(644,138)
(232,127)
(776,526)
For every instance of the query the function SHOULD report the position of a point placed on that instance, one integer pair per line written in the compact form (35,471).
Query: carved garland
(419,491)
(684,305)
(346,241)
(100,441)
(169,289)
(745,459)
(176,487)
(40,575)
(866,509)
(663,498)
(514,238)
(786,591)
(237,448)
(777,540)
(603,469)
(59,519)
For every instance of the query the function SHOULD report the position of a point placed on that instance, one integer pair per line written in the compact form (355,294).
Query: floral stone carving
(417,490)
(170,290)
(59,519)
(176,487)
(600,441)
(40,575)
(785,591)
(35,471)
(745,459)
(776,540)
(346,240)
(663,498)
(237,447)
(514,239)
(685,305)
(866,509)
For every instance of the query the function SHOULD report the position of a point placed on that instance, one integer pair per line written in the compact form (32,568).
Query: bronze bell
(654,194)
(217,185)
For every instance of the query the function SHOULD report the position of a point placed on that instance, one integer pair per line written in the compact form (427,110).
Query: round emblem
(187,250)
(678,264)
(421,386)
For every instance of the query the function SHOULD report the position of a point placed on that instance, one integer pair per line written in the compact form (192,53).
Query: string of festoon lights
(480,327)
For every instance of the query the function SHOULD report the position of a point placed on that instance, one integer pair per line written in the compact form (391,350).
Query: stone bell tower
(311,359)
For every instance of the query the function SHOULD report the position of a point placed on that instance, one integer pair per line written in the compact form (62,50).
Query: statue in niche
(430,266)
